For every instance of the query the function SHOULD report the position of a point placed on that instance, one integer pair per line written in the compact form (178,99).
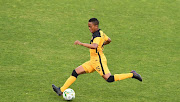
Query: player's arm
(107,42)
(91,46)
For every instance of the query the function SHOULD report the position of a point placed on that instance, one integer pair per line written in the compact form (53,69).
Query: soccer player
(97,60)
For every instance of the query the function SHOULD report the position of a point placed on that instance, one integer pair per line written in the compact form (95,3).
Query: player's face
(92,27)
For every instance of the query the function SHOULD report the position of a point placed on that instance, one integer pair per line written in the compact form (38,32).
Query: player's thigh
(80,70)
(88,67)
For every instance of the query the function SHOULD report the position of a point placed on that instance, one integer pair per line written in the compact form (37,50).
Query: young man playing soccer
(97,61)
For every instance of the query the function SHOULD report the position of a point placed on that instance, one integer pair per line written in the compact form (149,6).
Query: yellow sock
(122,76)
(68,82)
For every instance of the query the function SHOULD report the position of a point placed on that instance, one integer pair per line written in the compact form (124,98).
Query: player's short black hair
(94,21)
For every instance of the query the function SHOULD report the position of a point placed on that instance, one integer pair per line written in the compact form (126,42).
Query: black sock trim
(74,73)
(110,79)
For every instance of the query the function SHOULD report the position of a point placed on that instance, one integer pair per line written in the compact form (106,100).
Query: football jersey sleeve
(105,37)
(97,40)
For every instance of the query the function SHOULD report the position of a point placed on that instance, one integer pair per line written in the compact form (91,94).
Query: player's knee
(110,79)
(74,73)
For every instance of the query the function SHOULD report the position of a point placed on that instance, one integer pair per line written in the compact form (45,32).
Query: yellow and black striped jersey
(98,37)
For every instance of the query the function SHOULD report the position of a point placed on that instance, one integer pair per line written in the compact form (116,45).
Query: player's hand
(77,42)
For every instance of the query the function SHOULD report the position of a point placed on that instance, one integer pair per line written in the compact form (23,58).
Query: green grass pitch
(36,49)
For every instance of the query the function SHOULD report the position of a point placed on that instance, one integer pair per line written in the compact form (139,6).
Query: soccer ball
(69,94)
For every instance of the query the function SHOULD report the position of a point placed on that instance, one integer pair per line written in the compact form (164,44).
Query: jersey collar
(96,32)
